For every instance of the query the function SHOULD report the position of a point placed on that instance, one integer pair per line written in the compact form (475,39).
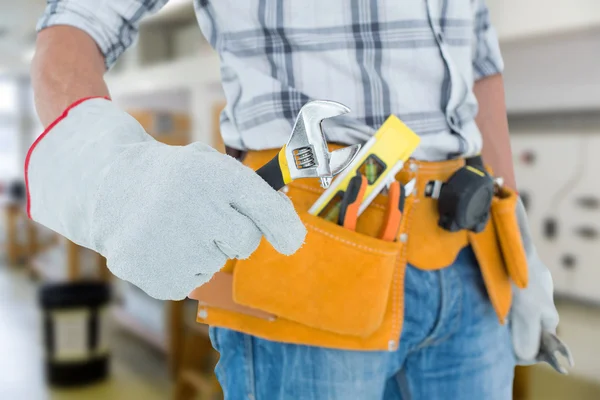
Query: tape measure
(464,201)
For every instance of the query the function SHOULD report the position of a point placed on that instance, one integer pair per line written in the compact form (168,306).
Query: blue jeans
(452,347)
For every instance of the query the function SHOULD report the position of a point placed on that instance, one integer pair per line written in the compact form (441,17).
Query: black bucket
(16,192)
(74,321)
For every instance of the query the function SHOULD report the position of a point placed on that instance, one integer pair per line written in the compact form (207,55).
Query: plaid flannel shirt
(416,59)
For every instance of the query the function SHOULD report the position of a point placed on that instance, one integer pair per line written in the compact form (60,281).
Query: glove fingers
(169,272)
(526,337)
(240,250)
(240,236)
(271,211)
(177,286)
(226,249)
(163,289)
(274,215)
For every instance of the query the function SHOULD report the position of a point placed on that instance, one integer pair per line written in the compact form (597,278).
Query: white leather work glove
(533,309)
(165,217)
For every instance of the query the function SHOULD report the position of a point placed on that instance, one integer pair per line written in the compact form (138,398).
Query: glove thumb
(526,334)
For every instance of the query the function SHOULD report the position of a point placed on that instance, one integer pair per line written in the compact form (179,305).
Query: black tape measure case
(465,199)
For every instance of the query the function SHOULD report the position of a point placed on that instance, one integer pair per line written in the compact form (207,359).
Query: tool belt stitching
(358,246)
(416,200)
(409,219)
(309,188)
(380,206)
(400,273)
(397,294)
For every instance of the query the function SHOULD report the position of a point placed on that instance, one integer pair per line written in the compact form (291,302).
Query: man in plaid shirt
(436,64)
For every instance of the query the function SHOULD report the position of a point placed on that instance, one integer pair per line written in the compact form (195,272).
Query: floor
(579,327)
(138,371)
(548,385)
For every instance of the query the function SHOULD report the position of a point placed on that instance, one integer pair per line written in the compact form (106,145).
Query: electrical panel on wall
(557,179)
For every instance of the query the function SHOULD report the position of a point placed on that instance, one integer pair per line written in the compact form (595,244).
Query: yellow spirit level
(382,155)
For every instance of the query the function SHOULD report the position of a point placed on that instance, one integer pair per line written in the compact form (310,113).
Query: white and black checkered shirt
(417,59)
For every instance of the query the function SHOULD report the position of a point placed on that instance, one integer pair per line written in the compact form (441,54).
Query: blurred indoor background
(170,82)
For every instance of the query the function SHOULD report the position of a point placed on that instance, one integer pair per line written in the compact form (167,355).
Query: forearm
(493,124)
(67,66)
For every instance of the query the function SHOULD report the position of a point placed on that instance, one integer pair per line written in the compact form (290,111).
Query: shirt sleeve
(113,24)
(487,59)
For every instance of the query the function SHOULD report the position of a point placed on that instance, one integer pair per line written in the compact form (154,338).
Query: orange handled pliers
(397,194)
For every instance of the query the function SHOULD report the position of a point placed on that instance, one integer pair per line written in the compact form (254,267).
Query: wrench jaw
(306,151)
(340,159)
(549,347)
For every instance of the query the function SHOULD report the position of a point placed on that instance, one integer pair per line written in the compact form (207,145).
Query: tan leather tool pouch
(509,236)
(339,281)
(429,246)
(345,289)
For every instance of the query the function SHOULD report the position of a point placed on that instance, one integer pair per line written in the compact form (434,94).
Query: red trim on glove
(52,125)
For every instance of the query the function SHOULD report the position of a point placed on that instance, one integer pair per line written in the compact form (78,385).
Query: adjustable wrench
(306,154)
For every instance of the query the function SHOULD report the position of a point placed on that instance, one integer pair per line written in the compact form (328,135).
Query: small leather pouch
(339,281)
(430,247)
(509,235)
(487,250)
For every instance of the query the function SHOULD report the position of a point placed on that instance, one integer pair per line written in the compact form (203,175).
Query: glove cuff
(65,169)
(64,114)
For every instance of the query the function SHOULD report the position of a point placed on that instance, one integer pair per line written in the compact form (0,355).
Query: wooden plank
(73,262)
(522,383)
(32,238)
(14,250)
(175,333)
(104,272)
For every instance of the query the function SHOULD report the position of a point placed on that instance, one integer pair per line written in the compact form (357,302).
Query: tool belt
(345,289)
